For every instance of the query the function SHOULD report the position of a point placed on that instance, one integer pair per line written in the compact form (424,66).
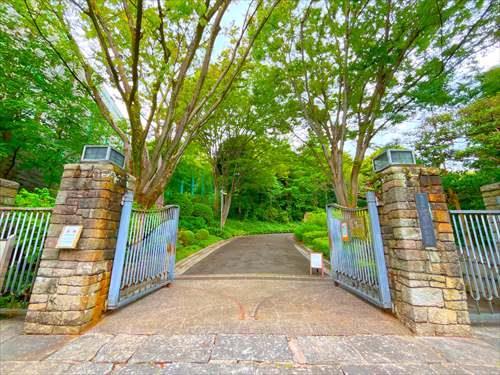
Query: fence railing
(477,236)
(27,227)
(145,253)
(357,253)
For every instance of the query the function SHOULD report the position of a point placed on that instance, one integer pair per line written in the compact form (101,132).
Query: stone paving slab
(179,348)
(120,348)
(251,348)
(30,348)
(391,349)
(84,348)
(465,351)
(325,350)
(34,368)
(260,354)
(10,327)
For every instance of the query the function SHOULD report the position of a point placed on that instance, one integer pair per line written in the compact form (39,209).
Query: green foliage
(480,122)
(12,301)
(304,228)
(308,237)
(467,185)
(186,237)
(313,232)
(315,218)
(321,244)
(204,211)
(202,234)
(45,117)
(185,203)
(37,198)
(192,222)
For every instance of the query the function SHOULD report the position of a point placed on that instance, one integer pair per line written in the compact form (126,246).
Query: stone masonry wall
(426,283)
(491,196)
(8,192)
(71,286)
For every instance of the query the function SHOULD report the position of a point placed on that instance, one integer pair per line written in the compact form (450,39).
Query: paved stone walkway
(248,321)
(102,353)
(271,254)
(285,306)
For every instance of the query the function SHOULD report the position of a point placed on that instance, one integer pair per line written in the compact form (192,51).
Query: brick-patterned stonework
(8,192)
(491,196)
(71,287)
(426,283)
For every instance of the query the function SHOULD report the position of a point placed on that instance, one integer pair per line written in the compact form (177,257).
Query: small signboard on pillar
(70,234)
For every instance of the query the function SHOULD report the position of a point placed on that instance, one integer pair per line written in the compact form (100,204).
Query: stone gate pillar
(8,192)
(491,196)
(71,286)
(426,283)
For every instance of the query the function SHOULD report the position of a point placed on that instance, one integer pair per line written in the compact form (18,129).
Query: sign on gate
(357,254)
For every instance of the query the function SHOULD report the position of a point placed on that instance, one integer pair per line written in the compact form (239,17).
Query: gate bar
(121,245)
(378,247)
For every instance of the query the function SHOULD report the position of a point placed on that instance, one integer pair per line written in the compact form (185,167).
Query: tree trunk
(225,207)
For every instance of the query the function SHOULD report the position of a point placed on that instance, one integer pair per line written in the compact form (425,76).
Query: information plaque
(69,237)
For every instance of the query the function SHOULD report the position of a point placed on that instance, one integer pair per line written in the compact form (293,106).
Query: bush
(184,203)
(310,236)
(191,223)
(186,237)
(315,218)
(204,211)
(321,244)
(37,198)
(202,234)
(305,228)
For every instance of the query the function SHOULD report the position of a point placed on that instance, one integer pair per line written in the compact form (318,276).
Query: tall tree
(357,67)
(156,57)
(45,117)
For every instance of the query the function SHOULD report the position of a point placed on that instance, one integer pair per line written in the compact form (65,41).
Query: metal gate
(477,236)
(24,230)
(145,252)
(357,252)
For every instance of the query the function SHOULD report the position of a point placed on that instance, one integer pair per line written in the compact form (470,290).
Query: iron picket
(142,251)
(358,262)
(29,227)
(477,237)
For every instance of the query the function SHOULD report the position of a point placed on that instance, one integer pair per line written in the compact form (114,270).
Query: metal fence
(477,236)
(145,252)
(28,228)
(357,253)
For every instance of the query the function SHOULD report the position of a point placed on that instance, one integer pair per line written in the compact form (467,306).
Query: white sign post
(69,236)
(316,262)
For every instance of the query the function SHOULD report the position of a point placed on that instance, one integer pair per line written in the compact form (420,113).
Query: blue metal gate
(477,236)
(357,251)
(145,252)
(27,229)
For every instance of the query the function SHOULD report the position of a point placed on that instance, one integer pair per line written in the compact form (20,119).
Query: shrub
(186,237)
(310,236)
(204,211)
(184,203)
(315,218)
(191,222)
(202,234)
(36,198)
(321,244)
(305,228)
